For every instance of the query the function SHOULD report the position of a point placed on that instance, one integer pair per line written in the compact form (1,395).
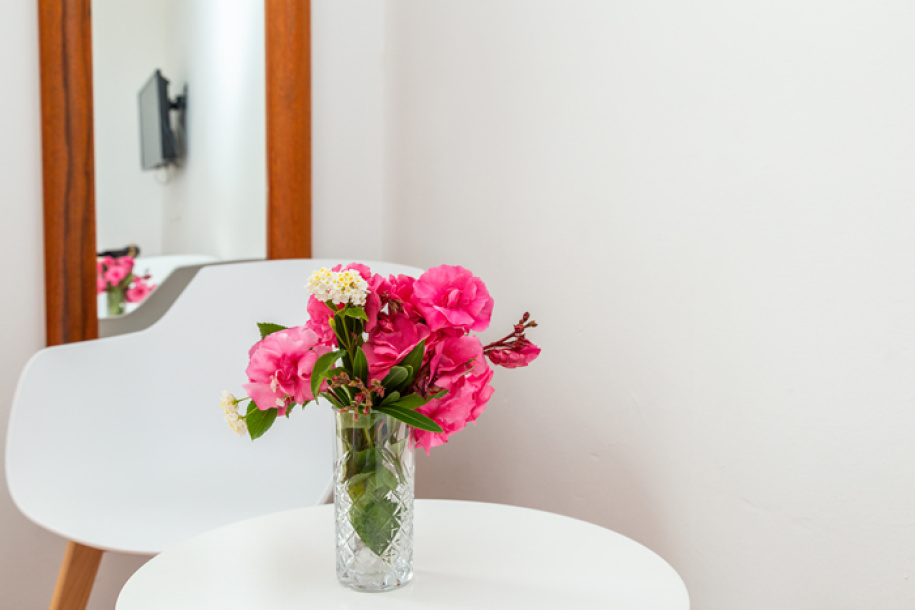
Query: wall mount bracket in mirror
(161,139)
(65,53)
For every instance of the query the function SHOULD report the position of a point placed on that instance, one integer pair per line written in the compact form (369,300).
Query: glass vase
(373,501)
(116,300)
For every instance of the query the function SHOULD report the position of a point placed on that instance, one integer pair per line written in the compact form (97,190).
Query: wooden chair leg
(76,577)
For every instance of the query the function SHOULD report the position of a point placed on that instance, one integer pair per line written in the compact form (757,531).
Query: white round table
(466,555)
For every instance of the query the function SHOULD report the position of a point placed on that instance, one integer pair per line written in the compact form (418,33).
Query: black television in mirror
(159,145)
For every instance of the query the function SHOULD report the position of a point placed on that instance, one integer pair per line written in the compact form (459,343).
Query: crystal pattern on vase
(373,501)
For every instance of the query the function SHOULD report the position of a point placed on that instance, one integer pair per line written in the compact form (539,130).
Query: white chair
(120,444)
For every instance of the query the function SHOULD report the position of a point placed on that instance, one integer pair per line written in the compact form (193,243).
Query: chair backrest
(120,443)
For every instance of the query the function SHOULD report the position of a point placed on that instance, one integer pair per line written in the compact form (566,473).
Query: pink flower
(117,269)
(280,366)
(319,321)
(139,290)
(449,296)
(521,353)
(399,295)
(464,403)
(454,357)
(394,336)
(115,275)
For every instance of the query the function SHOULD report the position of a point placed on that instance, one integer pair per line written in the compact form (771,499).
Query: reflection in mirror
(211,206)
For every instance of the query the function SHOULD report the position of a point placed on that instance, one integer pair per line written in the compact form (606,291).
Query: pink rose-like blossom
(399,295)
(521,353)
(100,283)
(139,290)
(319,320)
(280,366)
(464,403)
(451,296)
(118,269)
(454,357)
(393,338)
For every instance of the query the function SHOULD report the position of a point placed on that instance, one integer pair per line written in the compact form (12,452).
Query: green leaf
(375,522)
(379,481)
(410,417)
(340,330)
(344,395)
(268,328)
(395,377)
(413,360)
(291,407)
(333,400)
(411,401)
(355,312)
(389,398)
(322,364)
(259,421)
(361,366)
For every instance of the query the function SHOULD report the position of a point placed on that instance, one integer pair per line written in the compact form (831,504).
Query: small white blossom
(229,403)
(230,407)
(338,286)
(237,424)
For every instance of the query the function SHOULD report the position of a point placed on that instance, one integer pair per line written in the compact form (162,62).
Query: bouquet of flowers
(397,359)
(396,345)
(116,277)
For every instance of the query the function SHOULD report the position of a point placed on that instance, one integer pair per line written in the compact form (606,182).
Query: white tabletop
(466,555)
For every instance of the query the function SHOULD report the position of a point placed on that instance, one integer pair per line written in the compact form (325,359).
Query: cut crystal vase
(373,501)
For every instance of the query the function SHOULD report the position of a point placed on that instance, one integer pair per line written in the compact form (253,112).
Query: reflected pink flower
(139,290)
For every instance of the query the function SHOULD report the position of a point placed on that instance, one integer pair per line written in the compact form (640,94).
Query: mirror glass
(211,204)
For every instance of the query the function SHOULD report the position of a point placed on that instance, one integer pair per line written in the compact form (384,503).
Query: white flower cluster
(230,406)
(338,286)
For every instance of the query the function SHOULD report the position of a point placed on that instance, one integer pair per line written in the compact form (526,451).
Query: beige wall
(708,206)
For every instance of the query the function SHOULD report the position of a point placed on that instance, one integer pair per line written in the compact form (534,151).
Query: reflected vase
(117,299)
(373,501)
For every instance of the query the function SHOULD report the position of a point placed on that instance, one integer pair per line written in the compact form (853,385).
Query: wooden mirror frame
(68,161)
(68,166)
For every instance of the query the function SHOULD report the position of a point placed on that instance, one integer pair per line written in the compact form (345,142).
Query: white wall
(347,128)
(129,41)
(218,201)
(215,203)
(25,549)
(709,209)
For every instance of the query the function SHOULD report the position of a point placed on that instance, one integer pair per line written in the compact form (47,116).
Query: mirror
(208,204)
(68,153)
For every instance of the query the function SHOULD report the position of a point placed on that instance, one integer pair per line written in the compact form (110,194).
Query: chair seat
(120,443)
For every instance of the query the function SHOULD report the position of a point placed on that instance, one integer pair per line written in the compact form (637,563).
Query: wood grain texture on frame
(288,75)
(65,52)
